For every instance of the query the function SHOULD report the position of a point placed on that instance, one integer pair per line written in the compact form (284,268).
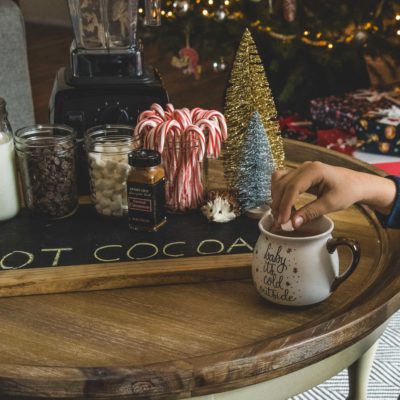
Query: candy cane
(183,137)
(220,119)
(214,137)
(158,109)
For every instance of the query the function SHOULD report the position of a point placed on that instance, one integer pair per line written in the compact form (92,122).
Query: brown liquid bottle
(146,191)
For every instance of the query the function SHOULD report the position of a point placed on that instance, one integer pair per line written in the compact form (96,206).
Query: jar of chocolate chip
(46,159)
(108,147)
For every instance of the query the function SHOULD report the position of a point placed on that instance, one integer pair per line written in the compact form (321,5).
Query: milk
(9,202)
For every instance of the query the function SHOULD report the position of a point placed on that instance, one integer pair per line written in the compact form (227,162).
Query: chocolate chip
(49,179)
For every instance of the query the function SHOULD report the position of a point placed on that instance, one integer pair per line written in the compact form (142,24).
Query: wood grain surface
(178,341)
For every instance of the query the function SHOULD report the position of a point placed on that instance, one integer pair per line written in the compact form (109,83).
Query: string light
(320,39)
(140,10)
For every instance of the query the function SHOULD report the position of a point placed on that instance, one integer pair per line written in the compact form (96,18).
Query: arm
(336,188)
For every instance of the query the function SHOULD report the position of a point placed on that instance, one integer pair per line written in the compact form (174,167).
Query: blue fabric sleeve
(393,219)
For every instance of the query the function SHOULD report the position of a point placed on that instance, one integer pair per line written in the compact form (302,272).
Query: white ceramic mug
(300,271)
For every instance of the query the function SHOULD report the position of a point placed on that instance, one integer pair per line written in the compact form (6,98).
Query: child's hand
(336,188)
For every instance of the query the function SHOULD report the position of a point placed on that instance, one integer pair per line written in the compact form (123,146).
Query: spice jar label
(146,204)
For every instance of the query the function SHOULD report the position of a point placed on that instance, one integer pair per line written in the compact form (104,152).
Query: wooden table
(215,340)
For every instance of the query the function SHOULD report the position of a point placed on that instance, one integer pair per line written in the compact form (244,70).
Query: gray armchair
(15,84)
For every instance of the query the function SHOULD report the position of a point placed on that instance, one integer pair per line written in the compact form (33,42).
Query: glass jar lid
(144,158)
(44,135)
(111,138)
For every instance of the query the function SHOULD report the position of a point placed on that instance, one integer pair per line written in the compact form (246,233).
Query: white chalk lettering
(28,261)
(58,254)
(97,257)
(239,242)
(128,253)
(203,242)
(168,254)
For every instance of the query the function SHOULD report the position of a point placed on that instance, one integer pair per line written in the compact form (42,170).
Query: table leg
(359,373)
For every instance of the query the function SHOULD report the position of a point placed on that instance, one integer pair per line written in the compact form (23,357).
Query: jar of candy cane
(107,148)
(185,138)
(186,175)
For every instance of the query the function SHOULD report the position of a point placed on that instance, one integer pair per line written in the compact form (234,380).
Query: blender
(107,81)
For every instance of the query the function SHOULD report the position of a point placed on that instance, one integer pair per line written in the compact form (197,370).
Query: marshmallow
(109,170)
(287,226)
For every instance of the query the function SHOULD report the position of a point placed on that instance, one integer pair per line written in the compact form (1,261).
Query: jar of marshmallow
(108,147)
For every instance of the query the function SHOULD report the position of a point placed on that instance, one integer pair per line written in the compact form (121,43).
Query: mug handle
(354,247)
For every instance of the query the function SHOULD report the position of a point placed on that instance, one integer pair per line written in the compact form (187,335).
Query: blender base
(86,102)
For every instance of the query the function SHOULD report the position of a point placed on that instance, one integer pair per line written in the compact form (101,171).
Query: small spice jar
(46,159)
(108,147)
(146,191)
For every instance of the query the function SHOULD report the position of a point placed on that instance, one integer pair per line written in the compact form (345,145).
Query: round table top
(178,341)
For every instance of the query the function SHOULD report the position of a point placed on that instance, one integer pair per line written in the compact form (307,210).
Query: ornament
(220,207)
(181,7)
(384,147)
(220,14)
(390,132)
(248,91)
(361,37)
(289,10)
(188,62)
(220,65)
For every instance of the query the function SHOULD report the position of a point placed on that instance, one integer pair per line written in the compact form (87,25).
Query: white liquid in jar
(9,201)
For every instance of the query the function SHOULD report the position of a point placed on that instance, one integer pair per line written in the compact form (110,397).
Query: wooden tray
(179,341)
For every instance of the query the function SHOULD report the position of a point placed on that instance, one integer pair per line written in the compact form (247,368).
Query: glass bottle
(146,191)
(9,199)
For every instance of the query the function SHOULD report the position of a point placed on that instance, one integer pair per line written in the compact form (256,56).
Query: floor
(48,50)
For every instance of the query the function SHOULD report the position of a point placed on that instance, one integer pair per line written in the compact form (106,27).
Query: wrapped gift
(344,112)
(338,140)
(379,131)
(297,128)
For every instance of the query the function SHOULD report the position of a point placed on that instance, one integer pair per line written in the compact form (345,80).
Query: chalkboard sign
(43,249)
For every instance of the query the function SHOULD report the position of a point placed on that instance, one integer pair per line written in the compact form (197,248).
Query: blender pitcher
(108,27)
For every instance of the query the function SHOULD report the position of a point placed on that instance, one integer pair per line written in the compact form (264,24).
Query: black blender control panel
(115,113)
(85,106)
(103,109)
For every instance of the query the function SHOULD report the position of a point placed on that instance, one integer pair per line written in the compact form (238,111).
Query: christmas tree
(248,91)
(255,167)
(311,48)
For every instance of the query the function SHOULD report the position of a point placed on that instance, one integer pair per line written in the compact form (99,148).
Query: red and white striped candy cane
(159,110)
(214,137)
(143,127)
(220,119)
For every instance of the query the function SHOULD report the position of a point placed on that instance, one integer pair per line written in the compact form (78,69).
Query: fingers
(312,210)
(277,189)
(287,187)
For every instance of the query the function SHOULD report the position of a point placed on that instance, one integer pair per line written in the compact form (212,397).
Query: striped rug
(384,380)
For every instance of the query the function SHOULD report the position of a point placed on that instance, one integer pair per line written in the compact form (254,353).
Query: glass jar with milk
(9,200)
